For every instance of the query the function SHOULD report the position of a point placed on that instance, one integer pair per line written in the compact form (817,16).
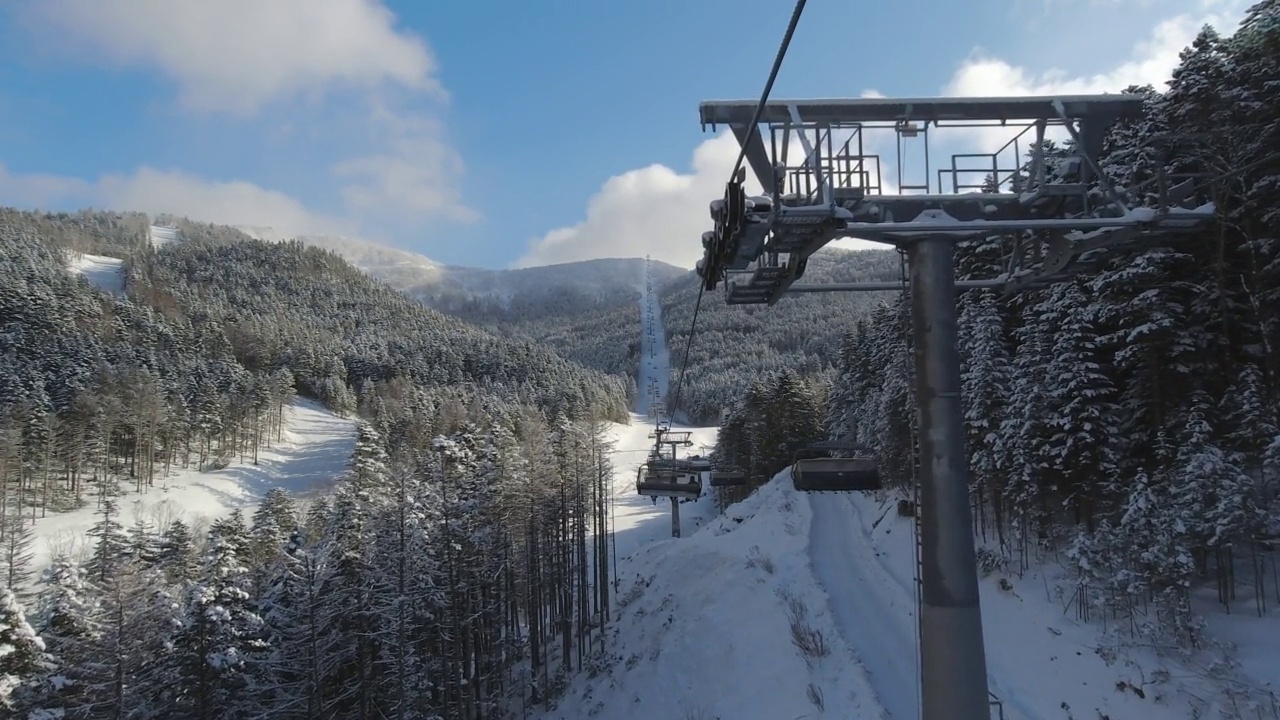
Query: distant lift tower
(664,474)
(1051,223)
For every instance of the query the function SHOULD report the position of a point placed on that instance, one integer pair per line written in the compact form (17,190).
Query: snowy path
(703,631)
(877,622)
(639,520)
(316,448)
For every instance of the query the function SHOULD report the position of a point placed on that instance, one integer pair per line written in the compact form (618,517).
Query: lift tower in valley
(818,176)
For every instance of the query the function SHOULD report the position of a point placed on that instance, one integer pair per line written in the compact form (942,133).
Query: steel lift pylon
(820,179)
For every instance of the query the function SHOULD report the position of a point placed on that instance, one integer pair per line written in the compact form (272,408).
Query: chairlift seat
(666,481)
(858,474)
(728,478)
(698,464)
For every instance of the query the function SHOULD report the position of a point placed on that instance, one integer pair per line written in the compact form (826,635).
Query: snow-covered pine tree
(23,660)
(985,378)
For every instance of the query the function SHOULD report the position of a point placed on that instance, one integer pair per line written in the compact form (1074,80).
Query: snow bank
(317,446)
(106,273)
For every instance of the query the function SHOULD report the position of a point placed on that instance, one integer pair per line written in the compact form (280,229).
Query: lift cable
(742,153)
(773,75)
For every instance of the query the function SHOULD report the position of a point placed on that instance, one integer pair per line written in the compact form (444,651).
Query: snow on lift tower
(1056,224)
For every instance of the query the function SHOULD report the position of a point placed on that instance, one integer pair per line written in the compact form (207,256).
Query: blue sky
(493,133)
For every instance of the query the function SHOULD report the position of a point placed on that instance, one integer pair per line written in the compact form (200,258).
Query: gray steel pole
(953,659)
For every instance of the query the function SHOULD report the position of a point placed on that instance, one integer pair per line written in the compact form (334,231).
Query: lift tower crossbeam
(1052,223)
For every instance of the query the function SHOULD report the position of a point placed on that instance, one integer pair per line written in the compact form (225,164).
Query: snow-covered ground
(162,235)
(1042,661)
(316,448)
(105,272)
(1254,641)
(711,625)
(702,630)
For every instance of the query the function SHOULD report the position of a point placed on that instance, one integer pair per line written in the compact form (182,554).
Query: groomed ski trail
(655,359)
(880,631)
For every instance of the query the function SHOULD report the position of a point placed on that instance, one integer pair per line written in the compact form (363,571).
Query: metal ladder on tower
(913,425)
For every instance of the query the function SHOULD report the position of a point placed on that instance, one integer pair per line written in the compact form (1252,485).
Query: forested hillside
(584,310)
(505,297)
(738,344)
(212,341)
(1127,419)
(284,303)
(735,345)
(465,512)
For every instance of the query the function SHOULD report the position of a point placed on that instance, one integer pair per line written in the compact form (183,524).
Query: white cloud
(652,211)
(155,191)
(1150,62)
(37,189)
(415,176)
(231,203)
(237,55)
(242,57)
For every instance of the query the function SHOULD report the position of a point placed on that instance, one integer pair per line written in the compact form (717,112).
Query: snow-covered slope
(704,627)
(317,445)
(162,235)
(396,267)
(655,360)
(639,521)
(1042,661)
(703,630)
(793,605)
(105,272)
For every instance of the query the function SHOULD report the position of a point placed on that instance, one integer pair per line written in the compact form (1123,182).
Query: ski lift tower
(664,474)
(1051,223)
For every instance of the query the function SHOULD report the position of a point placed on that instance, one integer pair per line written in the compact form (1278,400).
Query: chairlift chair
(697,463)
(666,478)
(811,472)
(728,477)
